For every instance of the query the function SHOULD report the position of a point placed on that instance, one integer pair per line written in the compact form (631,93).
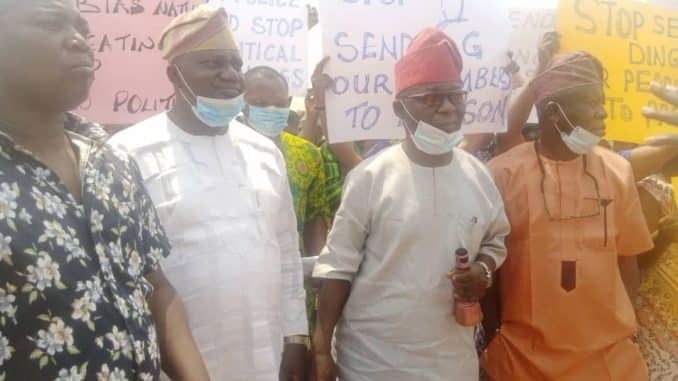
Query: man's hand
(325,368)
(513,69)
(321,82)
(309,102)
(548,47)
(469,286)
(344,152)
(331,300)
(313,18)
(293,367)
(668,94)
(312,128)
(180,357)
(662,140)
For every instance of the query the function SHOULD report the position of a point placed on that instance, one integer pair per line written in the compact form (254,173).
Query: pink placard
(131,82)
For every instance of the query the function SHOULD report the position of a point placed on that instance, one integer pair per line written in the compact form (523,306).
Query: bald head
(268,74)
(264,87)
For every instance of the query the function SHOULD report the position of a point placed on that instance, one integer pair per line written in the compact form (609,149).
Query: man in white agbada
(222,194)
(403,215)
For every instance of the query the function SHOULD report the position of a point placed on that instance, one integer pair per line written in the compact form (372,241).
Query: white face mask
(580,140)
(431,140)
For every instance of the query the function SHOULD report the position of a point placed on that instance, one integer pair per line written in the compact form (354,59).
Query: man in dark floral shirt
(81,290)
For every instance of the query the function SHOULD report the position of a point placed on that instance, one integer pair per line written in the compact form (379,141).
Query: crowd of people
(228,239)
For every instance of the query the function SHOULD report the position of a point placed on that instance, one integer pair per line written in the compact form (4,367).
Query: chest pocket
(266,179)
(174,170)
(171,174)
(471,227)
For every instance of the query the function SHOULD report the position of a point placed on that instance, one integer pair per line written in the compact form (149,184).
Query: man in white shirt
(222,193)
(404,214)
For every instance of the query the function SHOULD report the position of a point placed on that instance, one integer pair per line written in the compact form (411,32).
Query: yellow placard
(638,44)
(674,182)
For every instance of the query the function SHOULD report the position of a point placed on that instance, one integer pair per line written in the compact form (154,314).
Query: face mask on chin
(580,140)
(213,112)
(431,140)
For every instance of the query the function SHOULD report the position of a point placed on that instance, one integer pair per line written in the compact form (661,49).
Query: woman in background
(657,302)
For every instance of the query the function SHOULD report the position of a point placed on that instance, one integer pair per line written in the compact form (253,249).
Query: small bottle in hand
(466,313)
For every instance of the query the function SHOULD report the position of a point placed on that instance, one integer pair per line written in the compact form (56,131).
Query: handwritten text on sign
(131,82)
(529,26)
(272,33)
(638,44)
(364,39)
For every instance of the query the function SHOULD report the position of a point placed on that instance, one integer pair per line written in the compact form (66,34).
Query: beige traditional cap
(204,28)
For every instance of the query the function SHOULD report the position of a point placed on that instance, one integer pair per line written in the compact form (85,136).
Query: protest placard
(272,33)
(529,26)
(131,82)
(638,44)
(364,39)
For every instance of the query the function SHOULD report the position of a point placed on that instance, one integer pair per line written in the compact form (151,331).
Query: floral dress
(333,180)
(306,173)
(72,287)
(657,302)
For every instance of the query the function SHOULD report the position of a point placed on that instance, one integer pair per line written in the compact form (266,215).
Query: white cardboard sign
(364,39)
(272,33)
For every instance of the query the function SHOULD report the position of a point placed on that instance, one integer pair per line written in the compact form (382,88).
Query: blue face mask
(214,112)
(218,113)
(269,121)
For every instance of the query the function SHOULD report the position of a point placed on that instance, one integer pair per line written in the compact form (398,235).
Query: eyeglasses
(600,203)
(435,100)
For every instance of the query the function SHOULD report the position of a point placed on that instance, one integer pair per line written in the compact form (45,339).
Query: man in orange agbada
(576,229)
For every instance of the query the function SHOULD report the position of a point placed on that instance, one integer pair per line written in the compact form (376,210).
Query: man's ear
(399,110)
(552,112)
(404,118)
(173,75)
